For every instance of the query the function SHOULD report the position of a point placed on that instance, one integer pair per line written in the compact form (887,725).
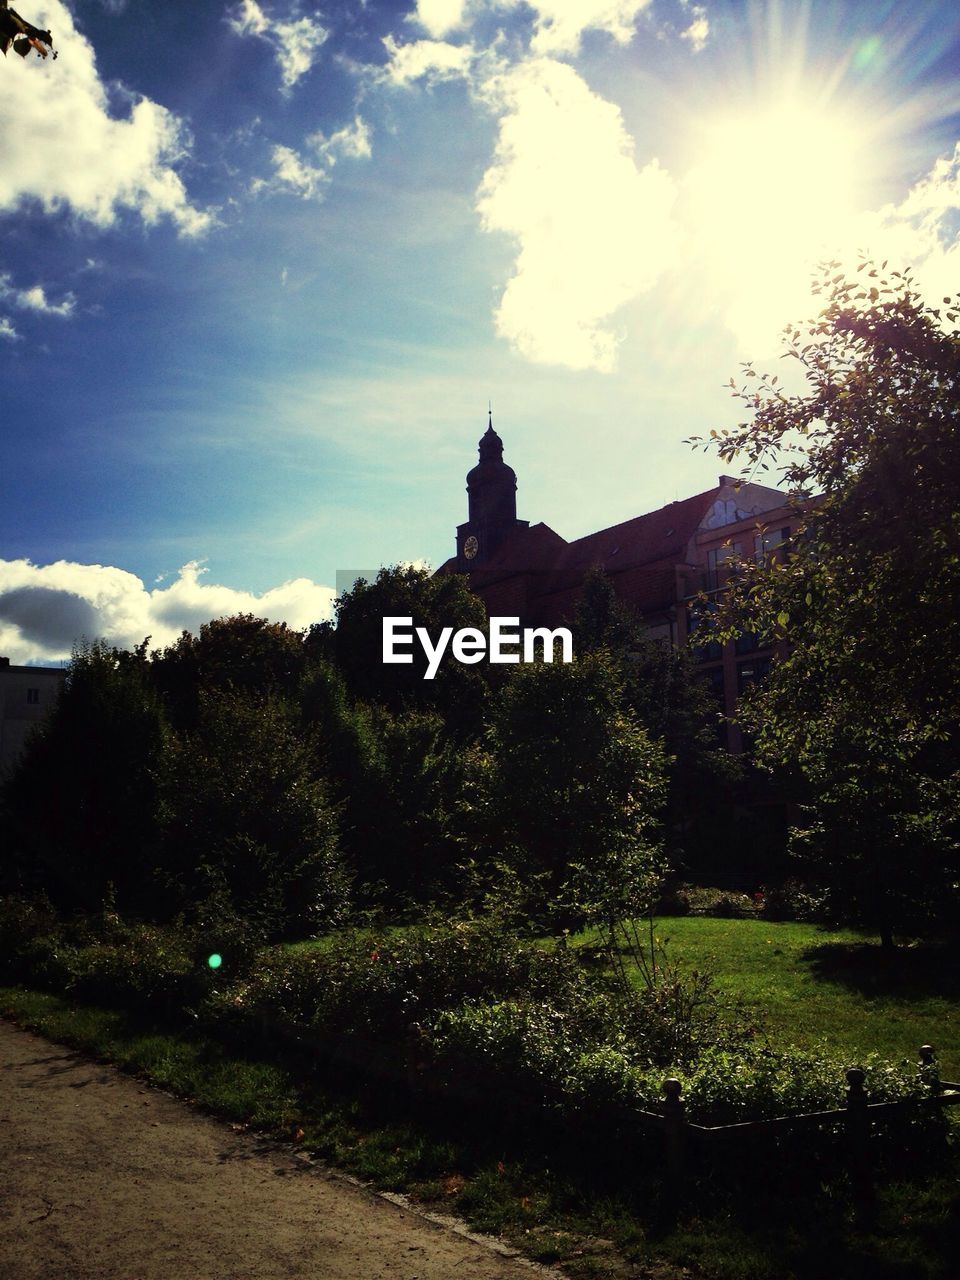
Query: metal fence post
(416,1054)
(929,1073)
(858,1145)
(675,1141)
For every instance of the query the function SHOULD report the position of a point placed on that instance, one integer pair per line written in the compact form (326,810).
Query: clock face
(471,547)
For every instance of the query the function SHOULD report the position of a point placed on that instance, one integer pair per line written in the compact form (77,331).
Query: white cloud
(438,17)
(46,609)
(35,299)
(698,32)
(560,24)
(293,174)
(7,330)
(429,60)
(307,179)
(295,42)
(60,144)
(593,230)
(785,224)
(248,19)
(923,231)
(352,141)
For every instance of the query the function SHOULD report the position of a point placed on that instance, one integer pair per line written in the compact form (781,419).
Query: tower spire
(492,502)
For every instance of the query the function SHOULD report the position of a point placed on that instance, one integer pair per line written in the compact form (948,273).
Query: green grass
(839,987)
(195,1067)
(601,1227)
(810,986)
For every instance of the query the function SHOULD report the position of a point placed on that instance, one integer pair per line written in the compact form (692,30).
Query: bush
(794,900)
(140,964)
(23,919)
(101,958)
(378,981)
(499,1016)
(248,821)
(758,1082)
(707,900)
(32,945)
(541,1052)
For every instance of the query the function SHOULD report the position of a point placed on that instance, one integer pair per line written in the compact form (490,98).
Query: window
(717,564)
(698,619)
(713,679)
(748,673)
(33,696)
(769,541)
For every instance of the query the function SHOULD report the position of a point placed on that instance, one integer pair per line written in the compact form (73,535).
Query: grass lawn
(812,985)
(808,986)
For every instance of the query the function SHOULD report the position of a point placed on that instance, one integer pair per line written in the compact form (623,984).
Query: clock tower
(492,505)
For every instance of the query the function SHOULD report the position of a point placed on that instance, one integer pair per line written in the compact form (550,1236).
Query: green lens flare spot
(869,53)
(215,961)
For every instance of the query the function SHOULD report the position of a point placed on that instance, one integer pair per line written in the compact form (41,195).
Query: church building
(658,563)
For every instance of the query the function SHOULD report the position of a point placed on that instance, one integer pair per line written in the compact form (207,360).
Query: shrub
(140,964)
(32,945)
(540,1051)
(758,1082)
(102,957)
(794,900)
(707,900)
(22,919)
(248,820)
(375,980)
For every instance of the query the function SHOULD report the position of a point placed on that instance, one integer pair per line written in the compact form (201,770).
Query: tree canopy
(866,703)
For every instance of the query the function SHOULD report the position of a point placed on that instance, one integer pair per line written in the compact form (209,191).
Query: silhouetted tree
(80,806)
(568,790)
(248,818)
(433,602)
(242,652)
(866,707)
(662,688)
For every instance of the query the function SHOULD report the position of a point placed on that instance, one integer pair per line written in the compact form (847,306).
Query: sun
(785,170)
(772,191)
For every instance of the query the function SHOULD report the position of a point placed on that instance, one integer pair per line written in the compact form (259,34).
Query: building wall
(26,695)
(730,668)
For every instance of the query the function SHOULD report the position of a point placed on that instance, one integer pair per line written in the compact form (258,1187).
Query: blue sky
(262,265)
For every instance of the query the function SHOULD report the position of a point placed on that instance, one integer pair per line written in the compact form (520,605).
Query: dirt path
(102,1178)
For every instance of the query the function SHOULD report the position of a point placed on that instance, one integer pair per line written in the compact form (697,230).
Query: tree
(433,602)
(241,652)
(395,775)
(567,791)
(866,705)
(661,687)
(248,819)
(81,804)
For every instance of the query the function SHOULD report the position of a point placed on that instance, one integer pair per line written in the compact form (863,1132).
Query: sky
(264,265)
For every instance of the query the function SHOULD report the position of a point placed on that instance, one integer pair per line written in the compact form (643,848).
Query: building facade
(26,695)
(661,564)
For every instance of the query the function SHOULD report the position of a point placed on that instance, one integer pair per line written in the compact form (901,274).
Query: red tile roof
(537,575)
